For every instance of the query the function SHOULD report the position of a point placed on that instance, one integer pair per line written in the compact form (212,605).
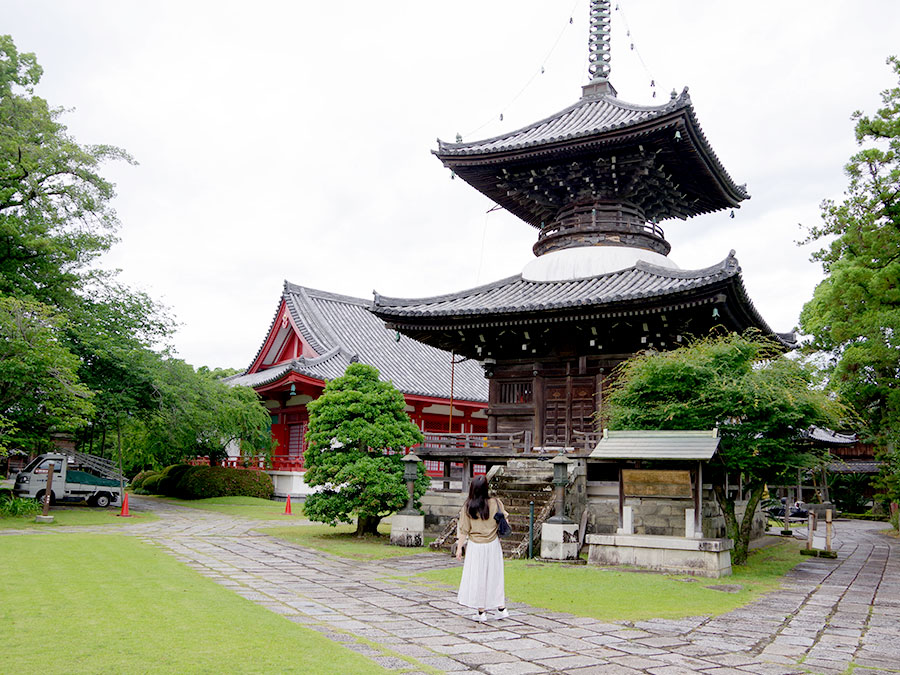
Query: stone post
(559,535)
(408,525)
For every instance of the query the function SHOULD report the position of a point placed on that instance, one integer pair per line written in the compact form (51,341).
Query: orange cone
(287,506)
(125,513)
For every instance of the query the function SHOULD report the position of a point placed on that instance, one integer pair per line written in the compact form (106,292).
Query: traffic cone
(124,513)
(287,506)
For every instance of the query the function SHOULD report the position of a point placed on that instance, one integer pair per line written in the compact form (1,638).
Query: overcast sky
(292,140)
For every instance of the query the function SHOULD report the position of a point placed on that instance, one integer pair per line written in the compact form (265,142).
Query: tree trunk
(367,525)
(738,532)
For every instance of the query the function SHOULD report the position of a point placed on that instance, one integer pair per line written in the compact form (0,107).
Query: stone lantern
(408,525)
(559,535)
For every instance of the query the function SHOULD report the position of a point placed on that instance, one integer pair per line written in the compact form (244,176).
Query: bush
(220,481)
(18,506)
(169,478)
(150,485)
(138,480)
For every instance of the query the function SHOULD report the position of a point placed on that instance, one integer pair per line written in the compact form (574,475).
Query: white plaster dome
(583,262)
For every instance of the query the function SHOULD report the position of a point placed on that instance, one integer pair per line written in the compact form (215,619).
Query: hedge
(138,480)
(219,481)
(150,484)
(169,478)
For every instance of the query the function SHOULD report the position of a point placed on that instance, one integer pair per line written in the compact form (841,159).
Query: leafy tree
(854,314)
(760,400)
(55,213)
(39,387)
(358,429)
(195,413)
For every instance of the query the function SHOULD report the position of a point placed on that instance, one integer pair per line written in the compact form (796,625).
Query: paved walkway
(831,613)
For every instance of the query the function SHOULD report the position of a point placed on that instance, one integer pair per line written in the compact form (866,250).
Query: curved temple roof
(661,143)
(341,329)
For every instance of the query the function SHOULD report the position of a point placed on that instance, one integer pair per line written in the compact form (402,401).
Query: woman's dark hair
(477,503)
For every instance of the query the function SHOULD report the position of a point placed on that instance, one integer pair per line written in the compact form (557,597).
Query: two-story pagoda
(595,180)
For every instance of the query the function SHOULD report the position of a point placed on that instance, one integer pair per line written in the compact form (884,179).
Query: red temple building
(314,336)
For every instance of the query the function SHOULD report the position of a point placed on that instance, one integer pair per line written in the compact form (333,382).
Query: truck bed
(85,478)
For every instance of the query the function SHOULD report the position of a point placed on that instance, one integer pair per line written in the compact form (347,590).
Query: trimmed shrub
(168,482)
(150,485)
(220,481)
(138,480)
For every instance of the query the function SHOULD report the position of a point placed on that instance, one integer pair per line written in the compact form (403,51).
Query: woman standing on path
(481,587)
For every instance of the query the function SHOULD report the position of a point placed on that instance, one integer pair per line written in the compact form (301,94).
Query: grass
(342,541)
(77,515)
(245,507)
(610,594)
(84,603)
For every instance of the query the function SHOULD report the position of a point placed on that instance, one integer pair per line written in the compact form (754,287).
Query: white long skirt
(482,578)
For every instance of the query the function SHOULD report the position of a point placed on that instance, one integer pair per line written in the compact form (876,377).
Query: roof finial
(598,42)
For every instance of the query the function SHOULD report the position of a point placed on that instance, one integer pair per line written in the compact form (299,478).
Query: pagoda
(595,180)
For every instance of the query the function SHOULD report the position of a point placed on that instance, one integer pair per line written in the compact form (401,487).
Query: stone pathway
(831,613)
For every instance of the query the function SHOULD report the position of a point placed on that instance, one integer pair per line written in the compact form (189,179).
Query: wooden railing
(505,443)
(586,440)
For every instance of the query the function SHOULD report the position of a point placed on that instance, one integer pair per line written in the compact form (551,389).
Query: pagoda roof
(595,127)
(341,330)
(611,294)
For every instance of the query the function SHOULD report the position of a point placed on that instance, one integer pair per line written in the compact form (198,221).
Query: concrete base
(699,557)
(289,483)
(407,530)
(559,541)
(43,519)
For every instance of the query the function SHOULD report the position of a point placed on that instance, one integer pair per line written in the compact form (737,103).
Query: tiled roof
(514,294)
(852,466)
(593,119)
(342,329)
(657,445)
(829,437)
(587,117)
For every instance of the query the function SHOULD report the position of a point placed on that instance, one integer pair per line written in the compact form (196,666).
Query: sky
(293,140)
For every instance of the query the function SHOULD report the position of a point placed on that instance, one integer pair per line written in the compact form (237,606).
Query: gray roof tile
(340,328)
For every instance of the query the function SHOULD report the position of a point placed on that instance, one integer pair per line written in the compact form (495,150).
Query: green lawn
(245,507)
(341,541)
(83,603)
(77,515)
(610,594)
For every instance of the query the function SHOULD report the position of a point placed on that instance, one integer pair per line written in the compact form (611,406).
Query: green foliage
(55,217)
(150,485)
(18,506)
(170,477)
(139,479)
(760,400)
(847,491)
(39,387)
(195,413)
(854,314)
(203,482)
(358,429)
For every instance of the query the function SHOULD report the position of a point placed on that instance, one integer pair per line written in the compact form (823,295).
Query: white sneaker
(502,614)
(481,617)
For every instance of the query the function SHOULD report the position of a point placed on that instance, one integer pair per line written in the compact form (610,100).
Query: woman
(481,587)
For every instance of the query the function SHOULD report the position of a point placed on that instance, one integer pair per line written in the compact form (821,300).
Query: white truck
(75,479)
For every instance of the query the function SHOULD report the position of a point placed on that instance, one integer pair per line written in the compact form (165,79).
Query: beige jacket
(478,530)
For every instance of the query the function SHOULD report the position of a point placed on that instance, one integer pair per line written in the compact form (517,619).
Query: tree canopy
(80,352)
(358,430)
(854,314)
(761,401)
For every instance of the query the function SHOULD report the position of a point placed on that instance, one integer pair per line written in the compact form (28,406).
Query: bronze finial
(598,42)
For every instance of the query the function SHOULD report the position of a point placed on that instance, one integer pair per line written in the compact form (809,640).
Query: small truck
(71,482)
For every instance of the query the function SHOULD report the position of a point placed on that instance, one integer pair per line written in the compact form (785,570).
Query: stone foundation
(559,541)
(440,508)
(407,530)
(675,555)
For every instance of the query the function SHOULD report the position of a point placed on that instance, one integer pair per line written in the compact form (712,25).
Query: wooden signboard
(650,483)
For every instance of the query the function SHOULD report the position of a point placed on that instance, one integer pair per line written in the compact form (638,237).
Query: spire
(598,42)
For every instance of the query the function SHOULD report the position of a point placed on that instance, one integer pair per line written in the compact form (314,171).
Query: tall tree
(854,314)
(55,213)
(358,429)
(39,387)
(760,400)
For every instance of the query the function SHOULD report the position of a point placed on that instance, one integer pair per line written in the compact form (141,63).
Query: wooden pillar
(538,399)
(598,401)
(446,475)
(621,499)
